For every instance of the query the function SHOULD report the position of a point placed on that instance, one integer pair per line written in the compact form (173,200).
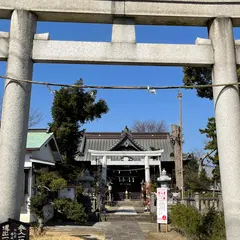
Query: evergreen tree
(73,107)
(211,145)
(47,185)
(193,180)
(203,76)
(199,76)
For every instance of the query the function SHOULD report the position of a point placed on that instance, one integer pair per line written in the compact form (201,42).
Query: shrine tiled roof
(104,141)
(125,137)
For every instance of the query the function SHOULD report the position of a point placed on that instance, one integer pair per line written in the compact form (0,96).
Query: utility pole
(179,96)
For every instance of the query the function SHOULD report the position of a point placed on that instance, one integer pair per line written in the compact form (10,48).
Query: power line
(120,87)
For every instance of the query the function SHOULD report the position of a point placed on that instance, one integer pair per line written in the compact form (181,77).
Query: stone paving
(118,230)
(125,210)
(124,231)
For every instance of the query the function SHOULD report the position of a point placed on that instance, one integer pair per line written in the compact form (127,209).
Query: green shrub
(192,224)
(71,209)
(213,226)
(57,184)
(187,220)
(36,204)
(47,185)
(79,190)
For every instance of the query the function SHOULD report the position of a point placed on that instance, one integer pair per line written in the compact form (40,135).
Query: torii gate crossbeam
(153,12)
(145,154)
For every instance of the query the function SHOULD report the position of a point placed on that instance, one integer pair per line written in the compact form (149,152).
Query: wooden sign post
(162,208)
(13,229)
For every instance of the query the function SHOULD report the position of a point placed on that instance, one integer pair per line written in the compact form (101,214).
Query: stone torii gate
(144,161)
(22,47)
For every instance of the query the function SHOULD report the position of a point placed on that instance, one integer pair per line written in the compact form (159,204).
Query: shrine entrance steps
(133,203)
(125,213)
(128,221)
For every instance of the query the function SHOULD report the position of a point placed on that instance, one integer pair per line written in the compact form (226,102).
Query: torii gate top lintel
(152,12)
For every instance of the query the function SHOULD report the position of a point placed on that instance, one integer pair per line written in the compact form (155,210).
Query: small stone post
(220,202)
(152,206)
(197,201)
(104,169)
(15,111)
(147,170)
(227,113)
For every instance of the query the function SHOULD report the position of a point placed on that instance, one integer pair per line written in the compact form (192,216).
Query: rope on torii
(148,88)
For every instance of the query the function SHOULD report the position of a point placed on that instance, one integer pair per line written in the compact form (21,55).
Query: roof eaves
(60,156)
(136,143)
(117,142)
(131,138)
(32,149)
(35,160)
(37,130)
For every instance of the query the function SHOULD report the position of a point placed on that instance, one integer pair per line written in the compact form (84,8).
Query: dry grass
(67,236)
(165,236)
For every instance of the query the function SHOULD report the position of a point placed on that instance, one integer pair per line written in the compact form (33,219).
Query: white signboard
(162,205)
(68,192)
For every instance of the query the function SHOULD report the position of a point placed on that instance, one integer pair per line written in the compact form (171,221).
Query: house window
(26,175)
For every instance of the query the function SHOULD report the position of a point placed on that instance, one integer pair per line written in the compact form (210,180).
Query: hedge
(189,222)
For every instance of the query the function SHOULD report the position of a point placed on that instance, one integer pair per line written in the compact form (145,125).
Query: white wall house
(41,153)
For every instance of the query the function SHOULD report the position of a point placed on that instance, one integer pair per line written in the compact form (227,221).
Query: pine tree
(203,76)
(193,181)
(211,145)
(73,107)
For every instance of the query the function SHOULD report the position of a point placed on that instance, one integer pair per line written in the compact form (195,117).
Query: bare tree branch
(149,126)
(35,116)
(198,153)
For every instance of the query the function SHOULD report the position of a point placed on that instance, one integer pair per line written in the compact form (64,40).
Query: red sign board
(162,205)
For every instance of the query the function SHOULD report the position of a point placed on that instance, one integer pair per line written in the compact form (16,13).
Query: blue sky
(125,106)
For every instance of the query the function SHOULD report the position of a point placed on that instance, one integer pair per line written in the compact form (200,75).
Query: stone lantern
(87,179)
(110,191)
(164,180)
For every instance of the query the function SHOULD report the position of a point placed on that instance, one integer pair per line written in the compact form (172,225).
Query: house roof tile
(104,141)
(35,139)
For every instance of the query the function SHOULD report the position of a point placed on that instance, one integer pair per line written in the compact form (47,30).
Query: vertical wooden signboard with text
(14,230)
(162,208)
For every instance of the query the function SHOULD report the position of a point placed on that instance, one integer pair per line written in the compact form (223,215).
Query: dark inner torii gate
(22,47)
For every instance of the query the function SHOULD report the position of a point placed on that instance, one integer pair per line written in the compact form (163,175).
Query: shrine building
(127,159)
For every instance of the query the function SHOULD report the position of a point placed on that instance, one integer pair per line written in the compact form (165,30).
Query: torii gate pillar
(227,113)
(14,122)
(104,169)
